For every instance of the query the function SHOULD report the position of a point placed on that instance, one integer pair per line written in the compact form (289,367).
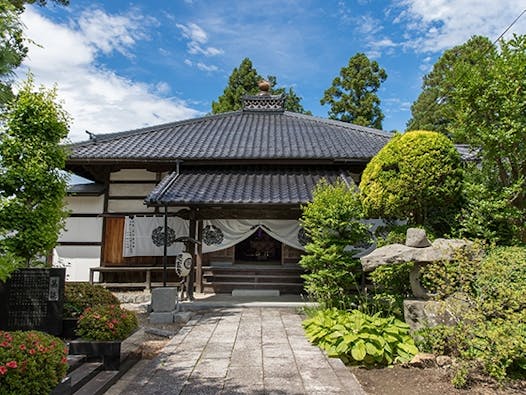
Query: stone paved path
(243,351)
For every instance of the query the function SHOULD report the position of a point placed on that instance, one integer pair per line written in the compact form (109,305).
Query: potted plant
(101,330)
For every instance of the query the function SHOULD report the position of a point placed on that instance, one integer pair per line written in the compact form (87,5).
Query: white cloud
(99,100)
(197,38)
(205,67)
(435,25)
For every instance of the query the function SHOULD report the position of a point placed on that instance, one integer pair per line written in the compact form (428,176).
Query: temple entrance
(259,248)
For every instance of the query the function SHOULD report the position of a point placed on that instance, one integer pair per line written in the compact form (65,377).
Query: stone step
(83,374)
(99,384)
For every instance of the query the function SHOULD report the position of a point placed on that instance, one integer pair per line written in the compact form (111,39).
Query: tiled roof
(228,186)
(91,189)
(237,135)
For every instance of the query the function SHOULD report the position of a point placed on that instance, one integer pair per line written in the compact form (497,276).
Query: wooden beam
(199,259)
(190,247)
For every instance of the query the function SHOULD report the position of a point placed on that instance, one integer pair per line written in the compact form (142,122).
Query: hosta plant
(31,362)
(358,338)
(106,323)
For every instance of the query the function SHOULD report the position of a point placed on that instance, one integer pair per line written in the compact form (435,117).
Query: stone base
(255,292)
(427,313)
(162,317)
(164,299)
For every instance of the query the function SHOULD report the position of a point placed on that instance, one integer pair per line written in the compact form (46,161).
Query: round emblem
(212,235)
(158,236)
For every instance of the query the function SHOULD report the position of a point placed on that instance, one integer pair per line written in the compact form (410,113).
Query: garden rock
(439,250)
(423,360)
(416,237)
(443,361)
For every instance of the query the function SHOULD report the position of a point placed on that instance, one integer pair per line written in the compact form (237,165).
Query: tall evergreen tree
(433,110)
(244,81)
(490,114)
(353,97)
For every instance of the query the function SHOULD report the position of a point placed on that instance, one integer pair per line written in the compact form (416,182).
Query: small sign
(54,288)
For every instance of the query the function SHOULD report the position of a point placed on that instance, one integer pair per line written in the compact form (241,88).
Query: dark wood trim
(117,182)
(190,247)
(140,214)
(126,198)
(85,215)
(104,211)
(199,259)
(79,243)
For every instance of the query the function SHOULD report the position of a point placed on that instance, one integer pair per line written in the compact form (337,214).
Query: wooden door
(113,237)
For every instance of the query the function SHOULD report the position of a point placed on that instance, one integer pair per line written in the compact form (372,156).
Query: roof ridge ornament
(264,101)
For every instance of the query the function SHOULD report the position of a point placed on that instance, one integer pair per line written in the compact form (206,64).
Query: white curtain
(144,236)
(219,234)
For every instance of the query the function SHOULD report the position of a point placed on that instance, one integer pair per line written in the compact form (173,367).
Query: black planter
(69,326)
(33,299)
(109,351)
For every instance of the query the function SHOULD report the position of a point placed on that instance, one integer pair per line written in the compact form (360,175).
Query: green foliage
(31,362)
(244,81)
(417,176)
(493,330)
(491,116)
(8,264)
(352,95)
(12,48)
(433,109)
(80,296)
(109,322)
(31,185)
(358,338)
(331,221)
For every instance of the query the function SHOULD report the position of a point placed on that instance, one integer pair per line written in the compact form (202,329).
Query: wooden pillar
(199,259)
(165,246)
(191,249)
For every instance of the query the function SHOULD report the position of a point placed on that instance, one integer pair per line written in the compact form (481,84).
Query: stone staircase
(225,279)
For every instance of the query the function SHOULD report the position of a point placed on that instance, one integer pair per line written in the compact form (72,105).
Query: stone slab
(164,299)
(255,292)
(162,317)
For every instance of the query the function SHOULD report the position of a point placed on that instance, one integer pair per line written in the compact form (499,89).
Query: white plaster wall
(85,204)
(131,189)
(133,174)
(128,206)
(78,260)
(82,229)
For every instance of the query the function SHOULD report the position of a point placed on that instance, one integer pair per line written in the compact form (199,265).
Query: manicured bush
(31,362)
(331,221)
(492,333)
(79,296)
(109,322)
(358,338)
(415,176)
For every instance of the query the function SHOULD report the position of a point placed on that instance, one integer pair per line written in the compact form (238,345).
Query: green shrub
(358,338)
(106,323)
(493,331)
(415,176)
(79,296)
(331,221)
(31,362)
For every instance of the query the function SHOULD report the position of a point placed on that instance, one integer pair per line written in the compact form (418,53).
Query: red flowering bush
(31,362)
(106,323)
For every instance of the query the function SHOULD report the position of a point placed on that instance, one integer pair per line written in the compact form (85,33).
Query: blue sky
(121,65)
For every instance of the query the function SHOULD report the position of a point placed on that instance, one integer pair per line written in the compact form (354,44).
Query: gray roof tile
(241,186)
(238,135)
